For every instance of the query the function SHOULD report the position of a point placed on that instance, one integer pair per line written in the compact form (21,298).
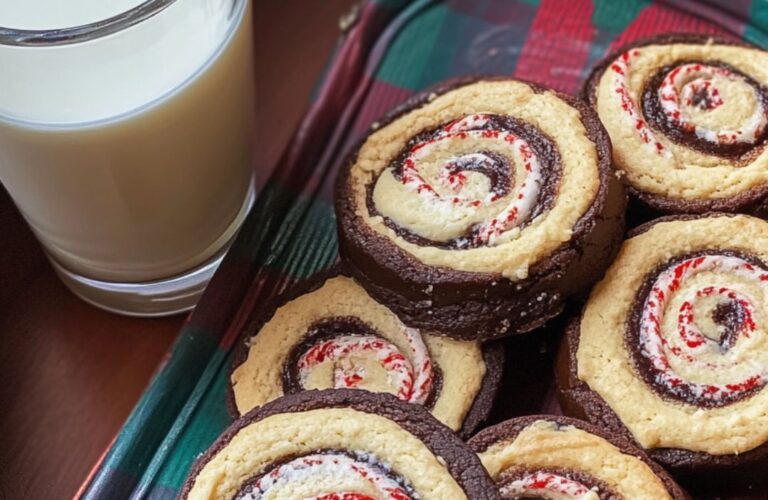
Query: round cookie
(688,120)
(479,207)
(559,457)
(338,444)
(672,347)
(329,333)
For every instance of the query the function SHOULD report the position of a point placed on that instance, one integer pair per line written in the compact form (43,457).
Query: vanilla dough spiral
(480,207)
(673,345)
(328,333)
(688,120)
(563,458)
(338,445)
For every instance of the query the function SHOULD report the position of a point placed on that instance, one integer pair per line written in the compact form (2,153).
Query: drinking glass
(126,141)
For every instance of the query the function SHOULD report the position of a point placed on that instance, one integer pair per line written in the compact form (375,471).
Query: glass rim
(85,32)
(238,8)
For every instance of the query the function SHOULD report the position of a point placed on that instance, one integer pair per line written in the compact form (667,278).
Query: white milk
(129,155)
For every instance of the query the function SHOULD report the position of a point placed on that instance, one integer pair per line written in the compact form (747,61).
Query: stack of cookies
(479,210)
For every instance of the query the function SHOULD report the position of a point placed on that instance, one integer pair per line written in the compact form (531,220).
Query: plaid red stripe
(658,19)
(558,44)
(387,97)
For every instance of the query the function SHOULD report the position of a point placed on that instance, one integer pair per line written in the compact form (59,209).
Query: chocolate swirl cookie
(479,207)
(338,445)
(330,333)
(673,346)
(688,119)
(559,457)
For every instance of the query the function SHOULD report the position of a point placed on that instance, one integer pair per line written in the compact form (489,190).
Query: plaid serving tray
(395,48)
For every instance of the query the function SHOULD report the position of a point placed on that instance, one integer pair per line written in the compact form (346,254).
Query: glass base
(163,297)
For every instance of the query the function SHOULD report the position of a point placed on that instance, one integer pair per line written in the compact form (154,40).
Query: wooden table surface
(70,373)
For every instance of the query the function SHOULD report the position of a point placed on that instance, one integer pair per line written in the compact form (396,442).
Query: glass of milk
(126,140)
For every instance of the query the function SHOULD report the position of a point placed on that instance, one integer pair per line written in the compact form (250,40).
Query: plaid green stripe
(206,421)
(756,30)
(415,60)
(613,17)
(168,395)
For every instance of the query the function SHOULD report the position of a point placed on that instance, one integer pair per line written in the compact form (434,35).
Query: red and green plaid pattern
(396,48)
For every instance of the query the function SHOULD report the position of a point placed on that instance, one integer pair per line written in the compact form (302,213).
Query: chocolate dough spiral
(503,178)
(559,457)
(322,464)
(480,207)
(338,445)
(546,482)
(688,119)
(329,333)
(679,99)
(339,341)
(699,313)
(673,346)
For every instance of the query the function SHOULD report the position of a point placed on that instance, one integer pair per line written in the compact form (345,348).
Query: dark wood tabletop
(70,373)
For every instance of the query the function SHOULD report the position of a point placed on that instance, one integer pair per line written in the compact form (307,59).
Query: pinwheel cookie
(688,119)
(559,457)
(330,333)
(479,207)
(673,347)
(338,444)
